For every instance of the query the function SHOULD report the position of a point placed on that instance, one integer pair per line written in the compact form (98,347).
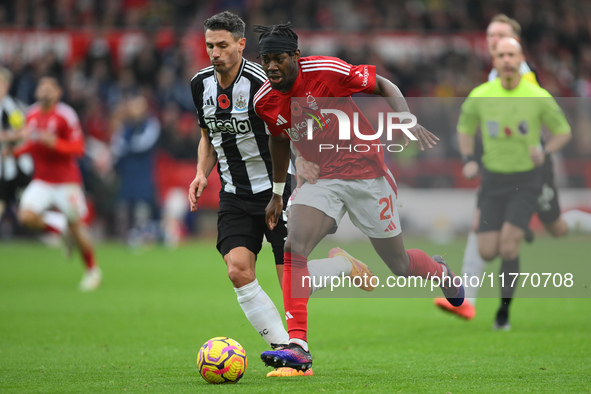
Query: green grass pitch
(141,331)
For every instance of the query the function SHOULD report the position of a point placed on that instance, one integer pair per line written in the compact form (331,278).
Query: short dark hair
(226,21)
(502,18)
(282,30)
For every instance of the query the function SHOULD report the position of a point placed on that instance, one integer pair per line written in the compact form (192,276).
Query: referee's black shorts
(241,223)
(508,198)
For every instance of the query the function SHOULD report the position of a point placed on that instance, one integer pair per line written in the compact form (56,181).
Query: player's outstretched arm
(279,147)
(395,99)
(206,159)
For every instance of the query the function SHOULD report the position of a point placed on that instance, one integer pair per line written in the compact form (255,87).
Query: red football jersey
(323,77)
(58,164)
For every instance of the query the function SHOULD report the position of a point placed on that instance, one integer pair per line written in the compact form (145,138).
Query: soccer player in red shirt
(357,183)
(54,141)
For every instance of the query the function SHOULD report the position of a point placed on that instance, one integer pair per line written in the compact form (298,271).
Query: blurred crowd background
(126,65)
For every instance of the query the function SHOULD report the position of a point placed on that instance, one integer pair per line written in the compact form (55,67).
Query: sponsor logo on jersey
(280,120)
(232,125)
(209,102)
(364,76)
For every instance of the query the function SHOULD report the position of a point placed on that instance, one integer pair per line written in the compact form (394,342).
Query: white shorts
(67,198)
(371,203)
(176,204)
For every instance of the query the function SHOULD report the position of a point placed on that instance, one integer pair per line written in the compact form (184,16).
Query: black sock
(508,268)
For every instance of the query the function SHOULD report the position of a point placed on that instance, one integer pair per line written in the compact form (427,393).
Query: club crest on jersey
(311,101)
(493,128)
(240,104)
(223,101)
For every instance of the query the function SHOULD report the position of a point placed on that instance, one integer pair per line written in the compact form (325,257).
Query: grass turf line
(141,331)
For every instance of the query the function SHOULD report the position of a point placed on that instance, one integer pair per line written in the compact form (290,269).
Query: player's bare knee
(296,245)
(558,228)
(509,249)
(28,218)
(240,274)
(488,253)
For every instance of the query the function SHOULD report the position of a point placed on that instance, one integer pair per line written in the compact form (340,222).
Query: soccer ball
(221,360)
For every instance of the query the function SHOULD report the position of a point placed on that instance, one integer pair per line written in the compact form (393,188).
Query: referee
(510,111)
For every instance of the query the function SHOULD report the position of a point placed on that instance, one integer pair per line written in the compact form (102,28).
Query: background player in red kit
(357,183)
(54,140)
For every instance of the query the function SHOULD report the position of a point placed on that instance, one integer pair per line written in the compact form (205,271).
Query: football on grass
(221,360)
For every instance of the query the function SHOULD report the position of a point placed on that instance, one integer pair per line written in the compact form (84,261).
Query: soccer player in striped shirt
(357,183)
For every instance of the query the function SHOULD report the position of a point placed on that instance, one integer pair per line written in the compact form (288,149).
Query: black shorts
(10,189)
(241,222)
(548,206)
(508,198)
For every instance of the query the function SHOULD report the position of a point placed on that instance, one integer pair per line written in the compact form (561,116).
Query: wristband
(468,158)
(278,188)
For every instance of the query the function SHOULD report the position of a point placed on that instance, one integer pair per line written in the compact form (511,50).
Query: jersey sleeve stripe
(326,69)
(256,72)
(255,75)
(205,70)
(339,66)
(264,90)
(327,61)
(255,69)
(69,115)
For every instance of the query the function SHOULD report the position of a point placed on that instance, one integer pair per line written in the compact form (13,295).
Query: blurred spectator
(157,55)
(178,146)
(133,147)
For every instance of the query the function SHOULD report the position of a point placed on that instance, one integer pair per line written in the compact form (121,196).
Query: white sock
(300,342)
(577,220)
(56,220)
(473,265)
(261,313)
(322,270)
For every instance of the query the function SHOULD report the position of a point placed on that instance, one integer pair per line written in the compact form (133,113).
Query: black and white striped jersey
(236,132)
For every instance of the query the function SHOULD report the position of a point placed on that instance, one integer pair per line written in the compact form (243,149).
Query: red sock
(50,229)
(295,295)
(421,264)
(88,257)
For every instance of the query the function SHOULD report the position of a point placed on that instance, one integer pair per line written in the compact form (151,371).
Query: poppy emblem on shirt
(296,109)
(223,101)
